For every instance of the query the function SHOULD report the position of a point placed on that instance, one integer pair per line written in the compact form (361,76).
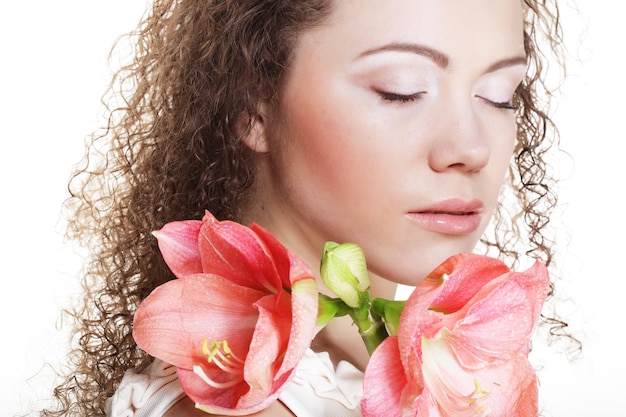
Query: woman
(392,125)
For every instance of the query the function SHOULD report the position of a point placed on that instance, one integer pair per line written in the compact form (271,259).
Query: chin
(410,275)
(411,268)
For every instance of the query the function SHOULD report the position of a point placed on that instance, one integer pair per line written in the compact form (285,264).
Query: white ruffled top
(317,390)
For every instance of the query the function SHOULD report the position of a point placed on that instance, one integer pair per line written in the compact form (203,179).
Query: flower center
(477,397)
(220,354)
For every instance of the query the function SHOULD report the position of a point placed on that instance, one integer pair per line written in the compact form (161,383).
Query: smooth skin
(388,111)
(395,131)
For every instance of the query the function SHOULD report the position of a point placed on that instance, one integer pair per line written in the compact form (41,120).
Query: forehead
(467,31)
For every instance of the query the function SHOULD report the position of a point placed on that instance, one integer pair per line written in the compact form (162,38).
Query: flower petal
(219,401)
(304,305)
(490,390)
(260,384)
(178,243)
(278,253)
(467,274)
(269,342)
(451,385)
(237,330)
(500,319)
(463,340)
(384,381)
(234,251)
(435,303)
(173,322)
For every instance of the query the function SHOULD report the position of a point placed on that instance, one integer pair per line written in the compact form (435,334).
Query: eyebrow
(441,59)
(434,55)
(507,62)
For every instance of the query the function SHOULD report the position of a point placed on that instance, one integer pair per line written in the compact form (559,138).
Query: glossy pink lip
(452,217)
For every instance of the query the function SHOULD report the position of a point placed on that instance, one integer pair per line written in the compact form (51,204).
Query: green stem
(371,328)
(391,311)
(329,308)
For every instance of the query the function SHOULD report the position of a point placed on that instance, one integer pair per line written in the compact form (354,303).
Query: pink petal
(417,321)
(174,321)
(252,293)
(462,392)
(468,273)
(482,312)
(260,385)
(384,381)
(299,271)
(527,403)
(468,335)
(304,304)
(267,347)
(234,251)
(202,393)
(498,322)
(517,393)
(425,406)
(277,252)
(450,385)
(423,313)
(536,283)
(178,243)
(219,401)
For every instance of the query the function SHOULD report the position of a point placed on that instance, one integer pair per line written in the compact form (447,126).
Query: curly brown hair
(172,149)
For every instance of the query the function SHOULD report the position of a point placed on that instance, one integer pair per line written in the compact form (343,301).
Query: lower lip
(449,224)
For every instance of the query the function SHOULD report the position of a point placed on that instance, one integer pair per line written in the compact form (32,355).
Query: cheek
(501,132)
(503,145)
(506,149)
(324,144)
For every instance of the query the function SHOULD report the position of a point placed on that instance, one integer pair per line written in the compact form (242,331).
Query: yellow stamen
(479,394)
(220,354)
(219,347)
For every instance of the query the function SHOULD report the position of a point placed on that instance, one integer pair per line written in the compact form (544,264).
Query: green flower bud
(344,271)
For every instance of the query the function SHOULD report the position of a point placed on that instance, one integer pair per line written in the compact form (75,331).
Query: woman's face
(395,131)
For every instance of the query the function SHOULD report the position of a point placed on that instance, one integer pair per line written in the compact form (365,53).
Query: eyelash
(408,98)
(503,105)
(402,98)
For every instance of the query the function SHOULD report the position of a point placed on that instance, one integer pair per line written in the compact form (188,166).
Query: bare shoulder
(186,408)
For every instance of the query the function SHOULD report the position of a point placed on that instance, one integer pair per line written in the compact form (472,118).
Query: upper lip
(457,206)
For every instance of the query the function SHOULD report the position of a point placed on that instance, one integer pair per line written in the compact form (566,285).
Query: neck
(340,338)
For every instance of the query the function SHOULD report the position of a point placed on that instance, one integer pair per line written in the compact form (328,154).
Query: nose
(460,143)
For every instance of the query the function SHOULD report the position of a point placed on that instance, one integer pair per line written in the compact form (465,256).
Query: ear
(255,136)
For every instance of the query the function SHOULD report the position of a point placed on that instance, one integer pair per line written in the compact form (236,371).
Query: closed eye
(504,105)
(402,98)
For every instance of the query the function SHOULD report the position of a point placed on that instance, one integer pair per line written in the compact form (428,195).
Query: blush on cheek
(315,140)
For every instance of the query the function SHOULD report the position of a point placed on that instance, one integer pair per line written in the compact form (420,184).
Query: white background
(53,73)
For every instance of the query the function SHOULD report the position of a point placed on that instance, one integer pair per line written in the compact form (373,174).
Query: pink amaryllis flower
(237,320)
(462,344)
